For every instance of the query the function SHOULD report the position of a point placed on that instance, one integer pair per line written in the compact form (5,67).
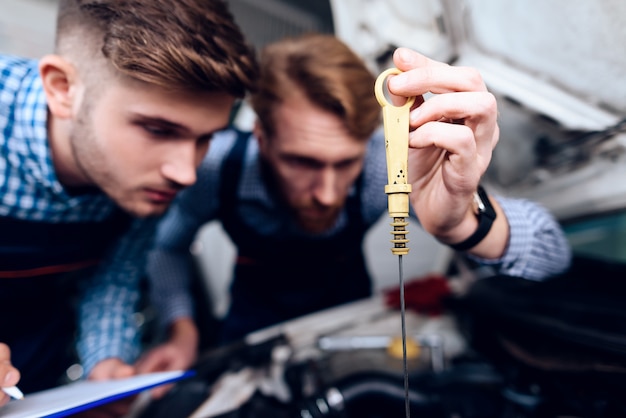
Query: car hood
(557,68)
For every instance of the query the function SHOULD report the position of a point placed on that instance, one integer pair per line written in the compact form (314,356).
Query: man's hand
(112,368)
(9,375)
(178,353)
(453,136)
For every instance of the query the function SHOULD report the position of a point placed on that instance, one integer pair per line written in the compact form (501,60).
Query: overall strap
(230,174)
(353,206)
(39,248)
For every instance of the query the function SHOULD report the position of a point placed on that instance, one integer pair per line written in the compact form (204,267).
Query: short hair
(192,45)
(327,71)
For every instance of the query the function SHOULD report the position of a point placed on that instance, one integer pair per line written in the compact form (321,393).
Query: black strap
(485,217)
(230,173)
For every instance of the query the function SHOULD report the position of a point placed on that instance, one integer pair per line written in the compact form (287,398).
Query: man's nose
(325,189)
(181,164)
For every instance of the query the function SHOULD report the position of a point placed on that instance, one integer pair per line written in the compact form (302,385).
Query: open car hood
(557,68)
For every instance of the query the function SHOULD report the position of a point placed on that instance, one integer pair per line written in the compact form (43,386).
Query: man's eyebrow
(175,126)
(313,160)
(160,121)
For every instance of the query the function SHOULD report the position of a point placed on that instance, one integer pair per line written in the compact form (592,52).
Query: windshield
(602,237)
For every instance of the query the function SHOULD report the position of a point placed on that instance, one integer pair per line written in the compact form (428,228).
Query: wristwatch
(485,214)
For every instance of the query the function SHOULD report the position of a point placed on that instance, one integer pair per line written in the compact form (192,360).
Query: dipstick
(396,128)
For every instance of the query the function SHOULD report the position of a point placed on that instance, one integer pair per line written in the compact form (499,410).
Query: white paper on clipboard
(79,396)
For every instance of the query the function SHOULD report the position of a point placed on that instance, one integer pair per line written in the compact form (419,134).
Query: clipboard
(85,394)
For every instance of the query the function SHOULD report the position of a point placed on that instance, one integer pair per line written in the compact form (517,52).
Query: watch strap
(486,215)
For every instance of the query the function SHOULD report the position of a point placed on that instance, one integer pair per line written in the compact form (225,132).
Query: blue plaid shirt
(30,190)
(537,247)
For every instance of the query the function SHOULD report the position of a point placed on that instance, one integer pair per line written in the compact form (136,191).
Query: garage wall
(27,27)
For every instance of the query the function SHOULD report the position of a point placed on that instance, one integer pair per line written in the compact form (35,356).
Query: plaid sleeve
(538,247)
(107,327)
(168,265)
(169,268)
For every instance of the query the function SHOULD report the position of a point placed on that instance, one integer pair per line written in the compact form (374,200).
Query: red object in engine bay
(423,295)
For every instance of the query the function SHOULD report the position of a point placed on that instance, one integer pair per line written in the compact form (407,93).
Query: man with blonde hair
(97,140)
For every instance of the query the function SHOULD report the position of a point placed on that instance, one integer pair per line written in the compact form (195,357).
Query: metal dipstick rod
(396,128)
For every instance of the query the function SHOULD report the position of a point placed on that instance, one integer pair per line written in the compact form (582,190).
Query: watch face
(479,206)
(482,204)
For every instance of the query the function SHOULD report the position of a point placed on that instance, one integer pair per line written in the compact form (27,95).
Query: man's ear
(59,79)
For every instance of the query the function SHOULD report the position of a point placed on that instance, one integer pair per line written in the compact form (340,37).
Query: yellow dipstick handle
(396,127)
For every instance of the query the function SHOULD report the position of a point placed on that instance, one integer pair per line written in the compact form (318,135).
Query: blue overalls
(280,278)
(40,267)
